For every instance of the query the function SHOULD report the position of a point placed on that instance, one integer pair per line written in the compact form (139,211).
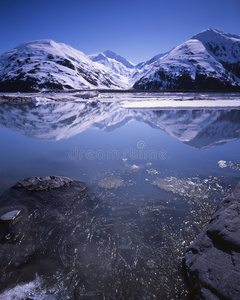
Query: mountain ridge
(210,60)
(46,64)
(207,61)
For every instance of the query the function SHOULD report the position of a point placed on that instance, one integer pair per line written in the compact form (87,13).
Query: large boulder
(36,184)
(212,261)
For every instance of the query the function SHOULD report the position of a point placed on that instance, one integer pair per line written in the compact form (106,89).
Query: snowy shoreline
(133,100)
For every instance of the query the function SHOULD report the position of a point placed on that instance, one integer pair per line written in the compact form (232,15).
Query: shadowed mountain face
(62,120)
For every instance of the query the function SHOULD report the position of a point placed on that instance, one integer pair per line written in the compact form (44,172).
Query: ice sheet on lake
(181,104)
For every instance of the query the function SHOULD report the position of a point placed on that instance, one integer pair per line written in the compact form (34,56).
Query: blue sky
(135,29)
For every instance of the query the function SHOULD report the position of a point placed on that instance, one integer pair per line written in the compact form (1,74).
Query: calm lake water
(154,179)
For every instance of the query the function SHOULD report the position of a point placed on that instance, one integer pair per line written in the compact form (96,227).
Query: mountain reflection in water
(61,120)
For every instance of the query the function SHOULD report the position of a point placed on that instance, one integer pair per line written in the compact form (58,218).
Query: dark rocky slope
(213,260)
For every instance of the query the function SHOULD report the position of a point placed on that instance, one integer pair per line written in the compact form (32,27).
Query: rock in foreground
(213,260)
(43,183)
(35,228)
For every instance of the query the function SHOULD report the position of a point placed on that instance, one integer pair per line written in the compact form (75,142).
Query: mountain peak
(43,42)
(46,64)
(124,61)
(212,34)
(110,54)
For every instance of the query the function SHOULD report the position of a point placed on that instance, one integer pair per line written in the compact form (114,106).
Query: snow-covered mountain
(119,67)
(210,60)
(61,120)
(110,54)
(224,47)
(45,64)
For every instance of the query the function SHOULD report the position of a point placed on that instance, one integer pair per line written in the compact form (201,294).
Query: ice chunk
(134,168)
(222,163)
(11,215)
(40,100)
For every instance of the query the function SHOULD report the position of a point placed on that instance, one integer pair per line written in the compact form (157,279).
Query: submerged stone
(152,172)
(213,260)
(111,182)
(43,183)
(234,166)
(183,187)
